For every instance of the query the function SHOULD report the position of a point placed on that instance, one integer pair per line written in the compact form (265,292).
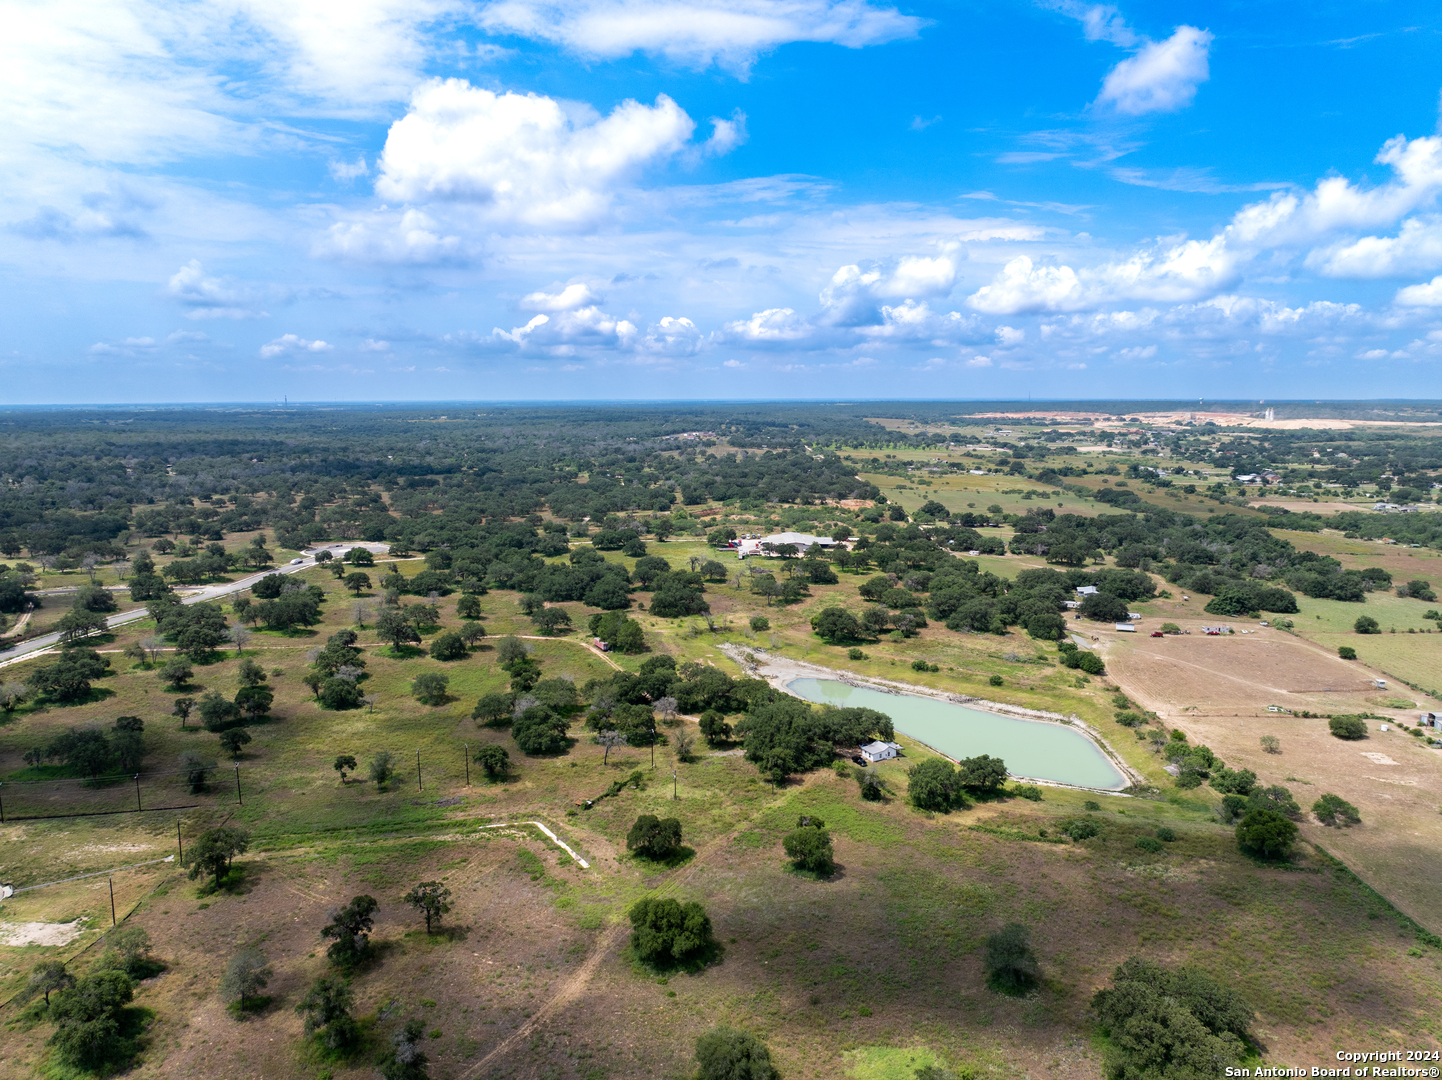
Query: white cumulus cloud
(410,236)
(212,297)
(1162,77)
(291,344)
(563,333)
(673,337)
(1425,295)
(522,158)
(1417,246)
(577,294)
(698,33)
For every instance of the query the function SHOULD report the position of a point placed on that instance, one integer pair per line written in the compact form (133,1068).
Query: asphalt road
(27,649)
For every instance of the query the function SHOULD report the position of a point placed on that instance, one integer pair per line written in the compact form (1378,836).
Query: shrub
(430,687)
(495,761)
(1271,744)
(1149,844)
(933,785)
(1090,662)
(714,728)
(1080,829)
(1335,811)
(1010,963)
(1348,727)
(245,977)
(1266,833)
(1365,624)
(809,848)
(1346,652)
(855,654)
(1167,834)
(1166,1023)
(653,837)
(450,646)
(760,623)
(538,730)
(666,931)
(996,680)
(1170,628)
(87,1019)
(724,1053)
(1234,781)
(341,694)
(1027,791)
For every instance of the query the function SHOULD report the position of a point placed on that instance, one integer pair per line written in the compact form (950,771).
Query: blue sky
(518,199)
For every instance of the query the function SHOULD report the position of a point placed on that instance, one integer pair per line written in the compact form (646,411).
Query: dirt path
(604,947)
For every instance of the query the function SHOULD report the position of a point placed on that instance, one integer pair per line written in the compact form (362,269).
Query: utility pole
(468,763)
(112,900)
(238,796)
(179,844)
(673,784)
(137,791)
(418,770)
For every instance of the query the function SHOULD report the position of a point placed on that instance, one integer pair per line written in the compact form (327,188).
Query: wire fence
(126,793)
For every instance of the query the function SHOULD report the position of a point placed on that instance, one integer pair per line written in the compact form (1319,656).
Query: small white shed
(879,751)
(1087,590)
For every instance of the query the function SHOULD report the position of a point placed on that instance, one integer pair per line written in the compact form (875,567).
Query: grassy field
(865,974)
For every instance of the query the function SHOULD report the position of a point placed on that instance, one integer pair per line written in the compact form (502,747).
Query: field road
(27,649)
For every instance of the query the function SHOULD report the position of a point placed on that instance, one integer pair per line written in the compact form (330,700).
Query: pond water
(1029,747)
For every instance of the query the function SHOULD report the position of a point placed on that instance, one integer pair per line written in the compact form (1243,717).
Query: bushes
(1266,833)
(1346,652)
(933,785)
(809,846)
(1365,624)
(727,1054)
(431,687)
(1348,727)
(495,761)
(1150,844)
(836,626)
(450,646)
(538,730)
(665,931)
(653,837)
(714,728)
(1161,1023)
(87,1018)
(1335,811)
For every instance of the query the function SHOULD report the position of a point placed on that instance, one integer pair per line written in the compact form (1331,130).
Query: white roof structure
(1087,590)
(801,540)
(1128,627)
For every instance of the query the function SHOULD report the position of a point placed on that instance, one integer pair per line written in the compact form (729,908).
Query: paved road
(27,649)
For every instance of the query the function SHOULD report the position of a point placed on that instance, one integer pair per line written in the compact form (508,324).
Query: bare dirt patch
(41,933)
(1242,671)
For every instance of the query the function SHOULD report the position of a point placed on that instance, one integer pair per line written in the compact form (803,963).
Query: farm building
(1126,626)
(1087,590)
(879,751)
(766,545)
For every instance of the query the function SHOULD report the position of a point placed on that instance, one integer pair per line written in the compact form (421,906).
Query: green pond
(1030,748)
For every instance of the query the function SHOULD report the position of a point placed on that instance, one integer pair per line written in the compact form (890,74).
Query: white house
(765,545)
(1087,590)
(879,751)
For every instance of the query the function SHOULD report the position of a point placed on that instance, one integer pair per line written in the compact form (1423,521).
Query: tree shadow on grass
(239,880)
(441,935)
(402,652)
(679,856)
(835,873)
(249,1007)
(693,963)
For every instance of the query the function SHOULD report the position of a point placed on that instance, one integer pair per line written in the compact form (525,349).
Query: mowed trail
(604,947)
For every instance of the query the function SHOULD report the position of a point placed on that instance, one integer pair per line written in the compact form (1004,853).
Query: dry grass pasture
(861,974)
